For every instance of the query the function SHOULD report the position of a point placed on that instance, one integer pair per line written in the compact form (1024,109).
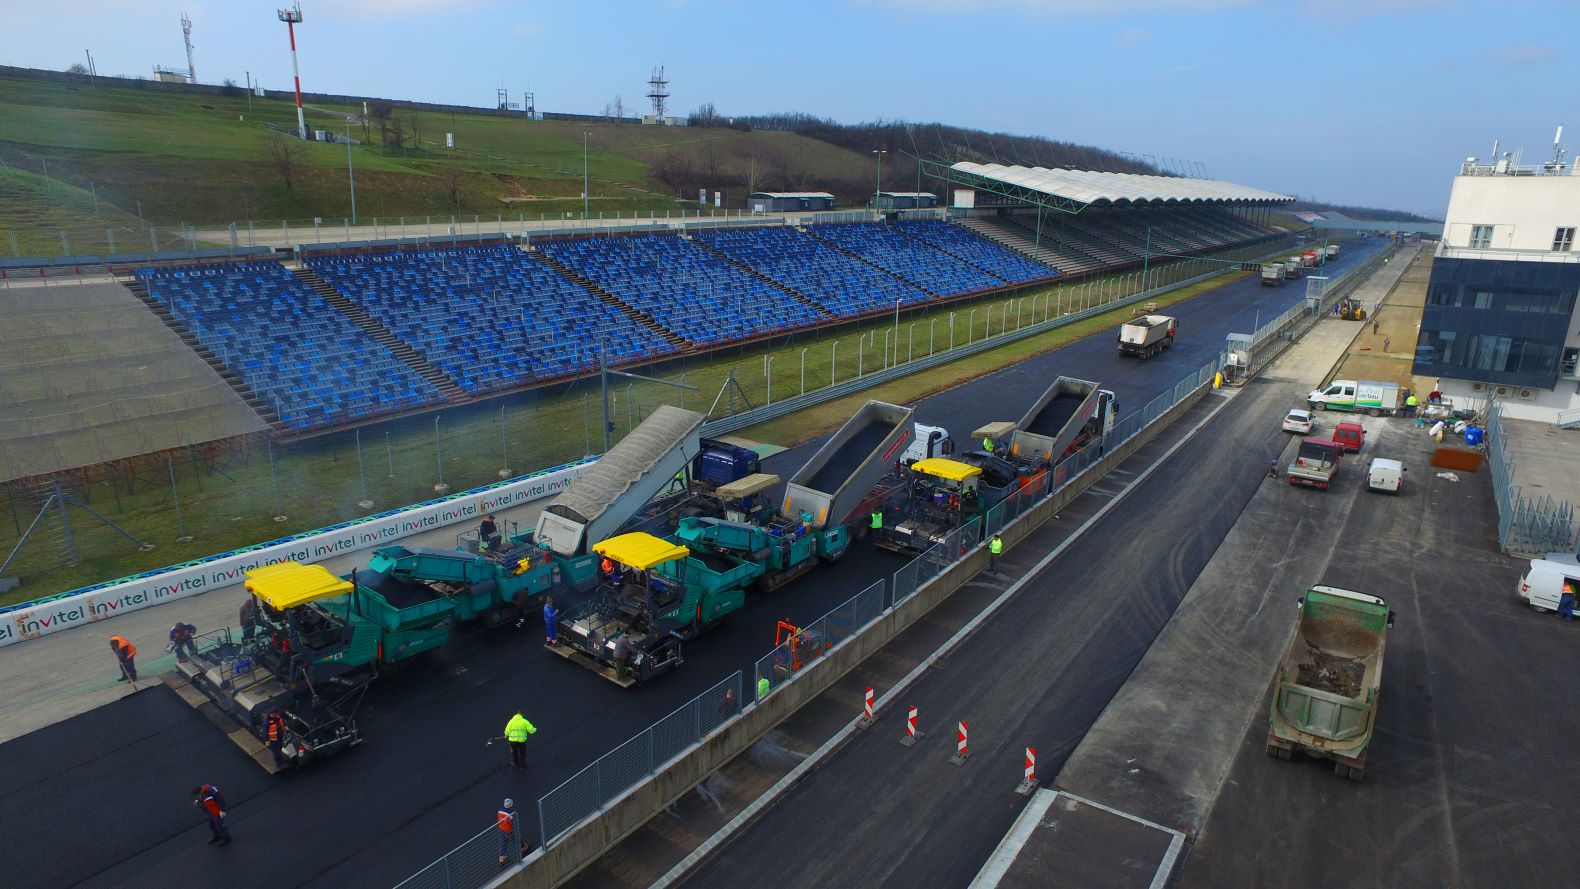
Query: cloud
(1182,69)
(1521,54)
(1512,55)
(1094,8)
(1131,37)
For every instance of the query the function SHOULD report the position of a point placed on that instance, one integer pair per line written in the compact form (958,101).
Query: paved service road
(424,780)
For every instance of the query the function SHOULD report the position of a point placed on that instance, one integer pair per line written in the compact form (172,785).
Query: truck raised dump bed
(1054,421)
(615,488)
(1325,693)
(837,478)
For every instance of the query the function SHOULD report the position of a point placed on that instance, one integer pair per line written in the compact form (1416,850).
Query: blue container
(1474,435)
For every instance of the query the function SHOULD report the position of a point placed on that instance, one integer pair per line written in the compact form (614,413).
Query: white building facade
(1500,315)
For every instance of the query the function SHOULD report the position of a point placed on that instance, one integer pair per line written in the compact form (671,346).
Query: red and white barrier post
(866,713)
(962,751)
(1029,783)
(911,731)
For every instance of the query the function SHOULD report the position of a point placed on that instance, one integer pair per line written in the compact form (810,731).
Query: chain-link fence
(474,863)
(589,791)
(1530,528)
(809,643)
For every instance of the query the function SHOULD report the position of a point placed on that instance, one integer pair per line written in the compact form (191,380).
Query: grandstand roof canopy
(1086,187)
(792,194)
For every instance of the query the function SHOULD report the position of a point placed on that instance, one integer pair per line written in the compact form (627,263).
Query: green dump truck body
(1326,691)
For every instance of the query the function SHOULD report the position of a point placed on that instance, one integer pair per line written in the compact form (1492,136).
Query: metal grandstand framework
(1071,191)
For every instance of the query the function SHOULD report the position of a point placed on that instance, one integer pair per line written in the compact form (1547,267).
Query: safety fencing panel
(589,791)
(1529,528)
(809,643)
(473,864)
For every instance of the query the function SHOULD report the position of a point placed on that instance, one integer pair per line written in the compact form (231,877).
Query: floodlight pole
(291,17)
(880,153)
(1146,258)
(584,216)
(351,171)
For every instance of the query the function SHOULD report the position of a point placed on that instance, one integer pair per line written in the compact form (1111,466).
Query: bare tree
(704,116)
(397,133)
(753,169)
(452,181)
(285,152)
(615,110)
(710,159)
(414,125)
(78,68)
(381,112)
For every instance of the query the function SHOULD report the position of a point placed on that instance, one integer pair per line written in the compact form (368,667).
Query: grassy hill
(172,158)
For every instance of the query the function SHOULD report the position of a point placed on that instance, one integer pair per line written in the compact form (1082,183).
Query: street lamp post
(951,331)
(879,190)
(351,171)
(584,174)
(833,364)
(803,371)
(930,324)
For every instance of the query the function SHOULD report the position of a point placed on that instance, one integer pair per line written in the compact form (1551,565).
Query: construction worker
(507,830)
(207,797)
(623,650)
(249,618)
(181,641)
(987,444)
(488,532)
(551,617)
(877,520)
(274,732)
(728,706)
(763,688)
(126,654)
(995,546)
(1566,601)
(1410,405)
(516,731)
(607,568)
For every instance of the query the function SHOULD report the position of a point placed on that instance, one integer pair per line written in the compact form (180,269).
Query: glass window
(1481,236)
(1563,239)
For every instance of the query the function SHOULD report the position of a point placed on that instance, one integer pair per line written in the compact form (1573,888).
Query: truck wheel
(1374,412)
(1320,406)
(1275,751)
(495,618)
(1540,610)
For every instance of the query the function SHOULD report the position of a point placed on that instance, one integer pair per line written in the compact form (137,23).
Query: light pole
(880,153)
(971,325)
(833,364)
(951,331)
(291,17)
(584,175)
(351,171)
(803,371)
(768,375)
(896,330)
(931,322)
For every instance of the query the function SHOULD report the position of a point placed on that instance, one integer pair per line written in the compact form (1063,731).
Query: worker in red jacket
(207,797)
(507,831)
(274,730)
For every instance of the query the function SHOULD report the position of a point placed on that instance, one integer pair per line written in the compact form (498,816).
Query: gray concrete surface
(1544,459)
(1470,780)
(56,677)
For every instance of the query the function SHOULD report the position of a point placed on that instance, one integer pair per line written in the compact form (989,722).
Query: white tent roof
(792,194)
(1089,187)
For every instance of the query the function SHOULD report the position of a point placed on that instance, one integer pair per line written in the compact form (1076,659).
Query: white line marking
(926,663)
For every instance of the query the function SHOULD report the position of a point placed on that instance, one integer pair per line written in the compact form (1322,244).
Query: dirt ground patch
(1385,348)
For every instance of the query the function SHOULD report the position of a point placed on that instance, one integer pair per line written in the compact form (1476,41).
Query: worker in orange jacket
(274,730)
(508,847)
(207,797)
(126,654)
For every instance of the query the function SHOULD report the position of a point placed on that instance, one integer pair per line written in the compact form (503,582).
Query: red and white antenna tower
(291,17)
(186,35)
(658,92)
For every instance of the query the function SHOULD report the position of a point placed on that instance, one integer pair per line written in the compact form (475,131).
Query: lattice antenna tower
(658,91)
(186,36)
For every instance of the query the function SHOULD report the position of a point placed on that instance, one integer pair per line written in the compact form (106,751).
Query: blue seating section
(1003,263)
(845,286)
(684,287)
(290,347)
(489,317)
(931,269)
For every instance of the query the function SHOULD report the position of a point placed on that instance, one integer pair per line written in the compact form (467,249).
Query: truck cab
(930,442)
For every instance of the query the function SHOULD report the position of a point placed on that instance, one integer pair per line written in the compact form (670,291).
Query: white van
(1544,581)
(1385,475)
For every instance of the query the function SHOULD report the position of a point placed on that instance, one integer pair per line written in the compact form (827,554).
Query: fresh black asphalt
(100,800)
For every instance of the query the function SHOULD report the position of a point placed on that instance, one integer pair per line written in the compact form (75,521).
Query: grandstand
(363,332)
(490,317)
(306,360)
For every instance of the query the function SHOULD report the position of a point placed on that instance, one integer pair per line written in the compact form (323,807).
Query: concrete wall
(583,845)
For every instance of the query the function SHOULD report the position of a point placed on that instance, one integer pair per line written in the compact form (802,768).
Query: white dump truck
(1272,274)
(1147,336)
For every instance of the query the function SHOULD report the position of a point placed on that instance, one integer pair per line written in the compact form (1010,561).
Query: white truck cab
(929,441)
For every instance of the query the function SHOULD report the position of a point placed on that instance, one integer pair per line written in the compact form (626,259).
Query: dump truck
(1054,422)
(1147,336)
(1376,398)
(1326,691)
(841,479)
(1292,267)
(1310,259)
(1315,463)
(1272,274)
(1332,251)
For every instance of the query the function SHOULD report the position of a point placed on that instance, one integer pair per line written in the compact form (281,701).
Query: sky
(1369,102)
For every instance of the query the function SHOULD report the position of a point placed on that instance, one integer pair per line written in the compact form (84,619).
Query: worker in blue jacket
(551,618)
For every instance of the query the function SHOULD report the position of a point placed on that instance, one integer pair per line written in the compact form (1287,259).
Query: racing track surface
(100,800)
